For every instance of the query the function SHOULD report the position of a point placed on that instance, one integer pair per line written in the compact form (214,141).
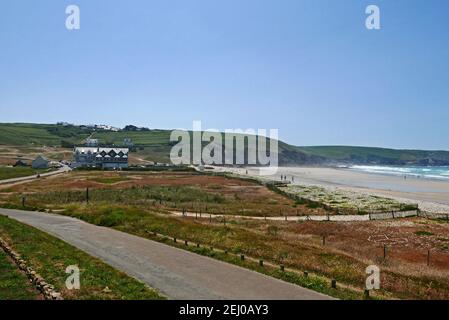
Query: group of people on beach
(284,178)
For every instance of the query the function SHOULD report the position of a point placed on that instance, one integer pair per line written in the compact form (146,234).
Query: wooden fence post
(385,251)
(366,293)
(428,257)
(87,195)
(23,201)
(324,240)
(334,284)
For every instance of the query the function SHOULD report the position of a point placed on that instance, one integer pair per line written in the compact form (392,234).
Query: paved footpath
(19,180)
(176,273)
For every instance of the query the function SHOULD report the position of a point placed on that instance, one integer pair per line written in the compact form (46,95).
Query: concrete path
(61,170)
(176,273)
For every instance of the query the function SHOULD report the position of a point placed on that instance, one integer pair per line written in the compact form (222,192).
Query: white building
(97,157)
(128,142)
(91,142)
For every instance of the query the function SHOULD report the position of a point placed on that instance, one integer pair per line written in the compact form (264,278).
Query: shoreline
(431,195)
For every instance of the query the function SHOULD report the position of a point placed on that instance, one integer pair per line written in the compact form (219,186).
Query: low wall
(46,289)
(431,215)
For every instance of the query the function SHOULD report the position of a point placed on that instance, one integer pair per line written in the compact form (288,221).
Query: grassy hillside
(22,134)
(365,155)
(155,145)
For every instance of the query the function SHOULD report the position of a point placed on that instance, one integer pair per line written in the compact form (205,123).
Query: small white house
(127,142)
(40,163)
(91,142)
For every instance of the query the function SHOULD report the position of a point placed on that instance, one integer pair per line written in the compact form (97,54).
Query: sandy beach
(431,195)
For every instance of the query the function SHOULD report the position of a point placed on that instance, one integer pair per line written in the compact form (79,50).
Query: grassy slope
(155,145)
(21,134)
(14,284)
(50,256)
(381,155)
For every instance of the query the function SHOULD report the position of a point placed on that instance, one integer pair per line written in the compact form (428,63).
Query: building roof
(41,158)
(95,150)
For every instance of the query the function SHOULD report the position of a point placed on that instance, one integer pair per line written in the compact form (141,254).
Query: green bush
(112,218)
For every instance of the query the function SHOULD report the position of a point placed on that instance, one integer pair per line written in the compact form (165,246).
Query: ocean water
(437,172)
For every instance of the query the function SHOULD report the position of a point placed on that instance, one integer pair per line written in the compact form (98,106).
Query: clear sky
(307,67)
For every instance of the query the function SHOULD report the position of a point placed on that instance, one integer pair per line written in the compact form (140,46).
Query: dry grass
(119,200)
(165,190)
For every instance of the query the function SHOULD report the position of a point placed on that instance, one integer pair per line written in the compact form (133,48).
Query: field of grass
(140,203)
(234,237)
(17,172)
(167,191)
(25,134)
(286,244)
(14,284)
(50,257)
(368,155)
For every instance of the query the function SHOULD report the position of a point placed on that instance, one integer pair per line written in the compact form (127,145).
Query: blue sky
(307,67)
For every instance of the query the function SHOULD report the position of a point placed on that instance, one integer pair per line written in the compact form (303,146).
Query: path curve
(176,273)
(61,170)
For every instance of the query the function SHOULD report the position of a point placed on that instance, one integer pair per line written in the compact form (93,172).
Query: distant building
(63,123)
(40,163)
(91,142)
(127,142)
(96,157)
(130,127)
(20,163)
